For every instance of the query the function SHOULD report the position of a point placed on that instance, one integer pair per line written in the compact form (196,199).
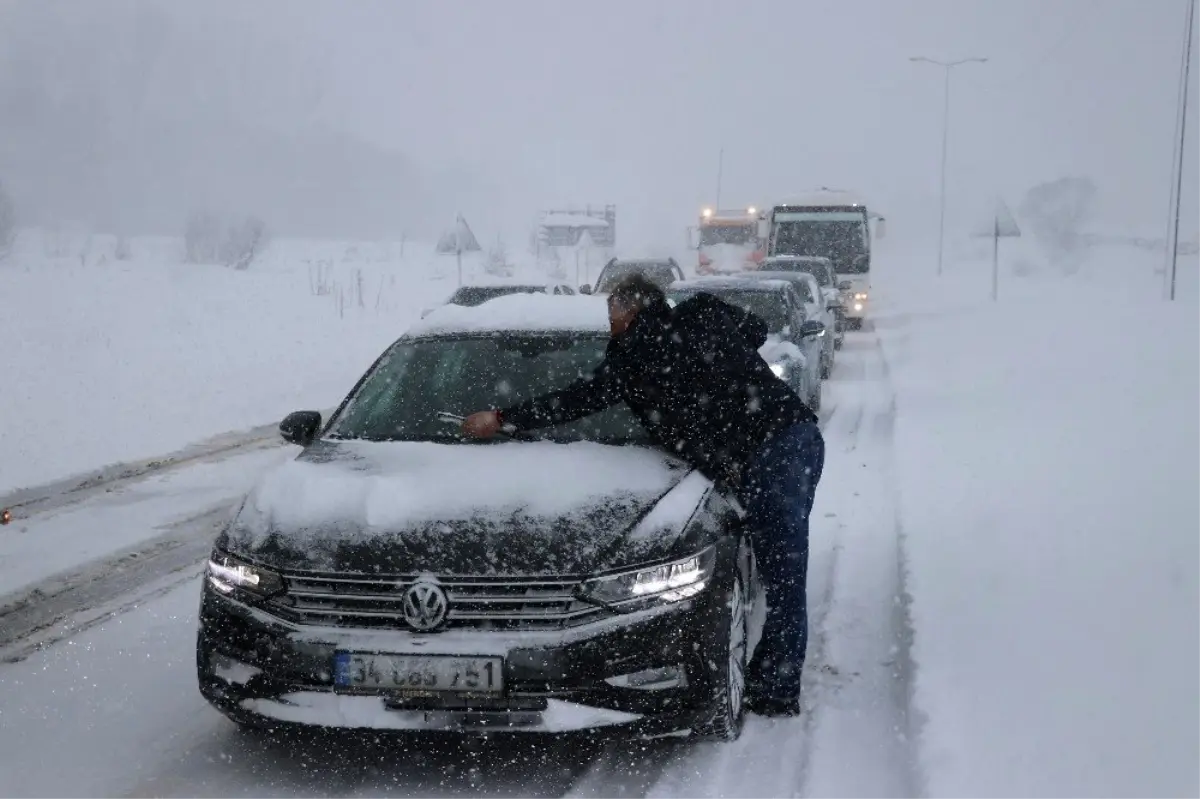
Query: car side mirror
(300,427)
(812,328)
(844,285)
(585,289)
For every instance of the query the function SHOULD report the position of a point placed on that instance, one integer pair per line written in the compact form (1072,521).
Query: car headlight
(860,296)
(669,582)
(228,574)
(779,369)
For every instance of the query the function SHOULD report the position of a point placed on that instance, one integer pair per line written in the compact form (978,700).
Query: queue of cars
(397,576)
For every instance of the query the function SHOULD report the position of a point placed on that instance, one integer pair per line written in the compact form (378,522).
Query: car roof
(767,276)
(642,262)
(728,284)
(797,259)
(518,313)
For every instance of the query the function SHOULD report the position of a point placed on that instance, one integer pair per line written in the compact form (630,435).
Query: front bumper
(854,308)
(261,670)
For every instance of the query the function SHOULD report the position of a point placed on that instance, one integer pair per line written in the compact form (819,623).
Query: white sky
(629,101)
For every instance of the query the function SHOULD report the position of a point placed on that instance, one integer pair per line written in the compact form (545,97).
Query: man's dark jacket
(693,376)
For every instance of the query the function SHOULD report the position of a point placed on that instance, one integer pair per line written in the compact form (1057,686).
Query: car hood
(513,508)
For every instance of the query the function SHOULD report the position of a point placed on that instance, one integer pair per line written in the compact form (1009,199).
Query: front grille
(474,603)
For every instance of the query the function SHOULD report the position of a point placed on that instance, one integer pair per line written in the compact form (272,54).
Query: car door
(809,346)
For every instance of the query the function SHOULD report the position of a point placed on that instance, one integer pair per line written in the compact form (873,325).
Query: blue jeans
(778,487)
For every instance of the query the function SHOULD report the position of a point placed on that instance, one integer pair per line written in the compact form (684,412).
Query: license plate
(418,673)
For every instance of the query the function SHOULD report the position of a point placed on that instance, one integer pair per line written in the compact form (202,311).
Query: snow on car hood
(508,508)
(776,350)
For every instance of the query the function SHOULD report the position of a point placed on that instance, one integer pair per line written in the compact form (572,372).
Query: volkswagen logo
(425,606)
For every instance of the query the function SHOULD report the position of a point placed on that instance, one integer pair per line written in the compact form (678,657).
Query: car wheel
(729,678)
(827,367)
(814,397)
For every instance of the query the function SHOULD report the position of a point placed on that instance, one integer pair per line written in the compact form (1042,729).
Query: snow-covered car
(794,342)
(822,270)
(816,306)
(396,576)
(470,296)
(662,271)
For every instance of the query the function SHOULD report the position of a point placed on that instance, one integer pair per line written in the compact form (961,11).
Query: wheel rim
(737,650)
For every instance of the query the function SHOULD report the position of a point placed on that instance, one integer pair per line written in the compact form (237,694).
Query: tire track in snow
(865,720)
(772,756)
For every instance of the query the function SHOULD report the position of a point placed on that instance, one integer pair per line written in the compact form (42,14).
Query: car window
(770,306)
(400,398)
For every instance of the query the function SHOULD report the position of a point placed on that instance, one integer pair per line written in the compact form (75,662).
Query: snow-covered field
(108,361)
(1047,470)
(1003,568)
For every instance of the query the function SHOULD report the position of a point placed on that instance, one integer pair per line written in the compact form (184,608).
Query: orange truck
(728,241)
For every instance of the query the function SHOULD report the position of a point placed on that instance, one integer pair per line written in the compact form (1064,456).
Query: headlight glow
(862,295)
(858,306)
(227,574)
(779,369)
(669,582)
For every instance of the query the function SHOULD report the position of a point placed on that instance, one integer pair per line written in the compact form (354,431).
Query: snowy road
(113,709)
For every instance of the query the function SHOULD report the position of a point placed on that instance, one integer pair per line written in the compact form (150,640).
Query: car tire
(729,680)
(814,397)
(827,367)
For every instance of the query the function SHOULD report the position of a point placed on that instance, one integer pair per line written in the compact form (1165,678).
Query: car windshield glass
(766,305)
(818,270)
(471,296)
(842,241)
(662,274)
(726,234)
(401,397)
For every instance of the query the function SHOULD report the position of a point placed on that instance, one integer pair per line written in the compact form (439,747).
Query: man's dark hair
(639,290)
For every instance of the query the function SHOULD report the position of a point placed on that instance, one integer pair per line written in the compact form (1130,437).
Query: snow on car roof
(572,220)
(722,282)
(778,258)
(516,313)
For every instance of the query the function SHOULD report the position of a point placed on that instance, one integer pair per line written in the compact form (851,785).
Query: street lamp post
(947,66)
(1180,156)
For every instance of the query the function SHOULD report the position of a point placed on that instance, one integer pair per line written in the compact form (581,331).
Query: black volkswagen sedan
(395,576)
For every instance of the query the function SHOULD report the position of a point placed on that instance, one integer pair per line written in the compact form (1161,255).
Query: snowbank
(107,360)
(1047,453)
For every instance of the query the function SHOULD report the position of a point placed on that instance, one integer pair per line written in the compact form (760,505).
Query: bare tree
(202,238)
(8,223)
(1056,213)
(244,242)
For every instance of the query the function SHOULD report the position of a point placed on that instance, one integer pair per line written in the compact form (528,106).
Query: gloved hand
(483,424)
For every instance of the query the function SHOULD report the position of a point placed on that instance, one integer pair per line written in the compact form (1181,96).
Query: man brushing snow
(693,377)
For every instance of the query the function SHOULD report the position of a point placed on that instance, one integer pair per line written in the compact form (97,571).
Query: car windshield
(662,274)
(471,296)
(819,270)
(842,241)
(415,380)
(726,234)
(766,305)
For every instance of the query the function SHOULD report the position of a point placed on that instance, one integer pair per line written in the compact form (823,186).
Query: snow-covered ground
(1047,465)
(1003,567)
(107,361)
